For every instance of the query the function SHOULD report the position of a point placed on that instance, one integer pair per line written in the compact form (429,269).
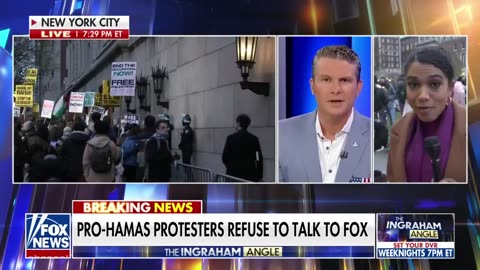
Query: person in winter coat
(71,152)
(242,154)
(100,155)
(130,150)
(186,141)
(158,156)
(39,143)
(19,152)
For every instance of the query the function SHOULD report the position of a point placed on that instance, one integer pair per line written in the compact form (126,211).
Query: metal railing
(223,178)
(190,173)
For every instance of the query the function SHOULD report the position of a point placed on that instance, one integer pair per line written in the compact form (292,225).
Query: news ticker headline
(234,229)
(79,27)
(179,229)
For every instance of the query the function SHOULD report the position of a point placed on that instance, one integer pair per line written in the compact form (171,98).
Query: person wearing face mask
(429,84)
(158,156)
(186,141)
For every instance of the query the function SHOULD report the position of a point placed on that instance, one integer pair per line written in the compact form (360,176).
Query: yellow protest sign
(24,95)
(36,108)
(30,80)
(106,87)
(109,101)
(32,72)
(99,100)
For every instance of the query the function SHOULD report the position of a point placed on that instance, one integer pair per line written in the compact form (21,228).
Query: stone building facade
(387,56)
(203,82)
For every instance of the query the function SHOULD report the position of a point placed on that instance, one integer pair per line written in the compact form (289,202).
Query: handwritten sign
(30,80)
(130,119)
(76,102)
(47,108)
(33,72)
(24,95)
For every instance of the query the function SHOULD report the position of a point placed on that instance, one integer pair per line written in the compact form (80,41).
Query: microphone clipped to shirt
(344,155)
(432,147)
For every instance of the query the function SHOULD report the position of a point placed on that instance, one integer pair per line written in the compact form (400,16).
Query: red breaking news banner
(137,207)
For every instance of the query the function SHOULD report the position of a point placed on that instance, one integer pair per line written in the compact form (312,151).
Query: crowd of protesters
(96,150)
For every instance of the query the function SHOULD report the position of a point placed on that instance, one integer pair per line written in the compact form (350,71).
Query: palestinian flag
(61,106)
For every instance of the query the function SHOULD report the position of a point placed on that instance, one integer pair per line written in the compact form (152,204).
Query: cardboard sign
(130,119)
(33,72)
(89,99)
(123,79)
(30,80)
(76,102)
(106,87)
(47,108)
(24,95)
(98,100)
(109,101)
(98,109)
(36,108)
(16,111)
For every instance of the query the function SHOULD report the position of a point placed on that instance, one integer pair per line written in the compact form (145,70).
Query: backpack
(158,153)
(158,141)
(101,159)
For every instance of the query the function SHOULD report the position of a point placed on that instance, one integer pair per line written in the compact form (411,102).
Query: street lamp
(128,100)
(158,75)
(246,51)
(142,91)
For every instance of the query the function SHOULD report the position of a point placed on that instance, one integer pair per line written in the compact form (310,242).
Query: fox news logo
(47,235)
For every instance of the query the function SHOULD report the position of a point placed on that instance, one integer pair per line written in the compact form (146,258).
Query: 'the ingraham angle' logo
(416,229)
(47,235)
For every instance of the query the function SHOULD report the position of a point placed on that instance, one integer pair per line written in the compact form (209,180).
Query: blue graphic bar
(223,252)
(439,253)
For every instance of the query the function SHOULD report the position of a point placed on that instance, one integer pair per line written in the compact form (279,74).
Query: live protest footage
(148,109)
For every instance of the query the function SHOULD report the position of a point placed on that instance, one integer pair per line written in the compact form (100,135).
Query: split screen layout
(226,109)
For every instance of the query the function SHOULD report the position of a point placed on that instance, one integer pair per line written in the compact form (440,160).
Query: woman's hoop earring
(449,101)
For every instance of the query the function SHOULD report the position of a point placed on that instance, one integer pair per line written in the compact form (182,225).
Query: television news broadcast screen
(243,135)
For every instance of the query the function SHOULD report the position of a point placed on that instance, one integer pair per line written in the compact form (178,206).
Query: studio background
(295,69)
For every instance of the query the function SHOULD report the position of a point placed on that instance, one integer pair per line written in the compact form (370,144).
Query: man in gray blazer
(331,144)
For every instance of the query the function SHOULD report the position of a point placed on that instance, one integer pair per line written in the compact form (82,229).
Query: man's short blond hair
(340,52)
